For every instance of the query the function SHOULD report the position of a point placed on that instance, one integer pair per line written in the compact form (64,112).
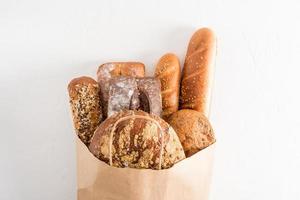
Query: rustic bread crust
(136,139)
(193,129)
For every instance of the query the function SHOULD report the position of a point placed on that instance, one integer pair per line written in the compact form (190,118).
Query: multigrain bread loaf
(193,129)
(85,106)
(114,69)
(168,71)
(197,72)
(136,139)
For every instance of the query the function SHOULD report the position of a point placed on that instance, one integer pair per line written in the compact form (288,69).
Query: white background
(255,108)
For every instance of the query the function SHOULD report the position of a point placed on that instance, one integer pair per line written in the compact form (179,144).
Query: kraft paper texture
(187,180)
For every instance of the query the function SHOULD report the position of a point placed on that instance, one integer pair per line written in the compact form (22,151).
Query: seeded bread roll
(85,106)
(193,129)
(168,71)
(197,77)
(114,69)
(136,139)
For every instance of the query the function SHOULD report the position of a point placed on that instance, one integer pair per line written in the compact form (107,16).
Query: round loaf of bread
(136,139)
(193,129)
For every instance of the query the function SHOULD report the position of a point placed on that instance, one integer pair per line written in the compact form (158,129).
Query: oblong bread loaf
(168,72)
(86,107)
(196,82)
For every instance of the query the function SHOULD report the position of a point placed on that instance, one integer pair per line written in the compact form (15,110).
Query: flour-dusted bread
(122,95)
(136,139)
(114,69)
(129,93)
(149,93)
(168,72)
(85,105)
(193,129)
(196,83)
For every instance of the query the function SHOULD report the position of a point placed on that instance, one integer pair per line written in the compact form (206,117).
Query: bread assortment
(197,72)
(168,72)
(121,116)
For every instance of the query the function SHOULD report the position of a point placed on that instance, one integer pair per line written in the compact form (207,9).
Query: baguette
(168,71)
(85,106)
(197,77)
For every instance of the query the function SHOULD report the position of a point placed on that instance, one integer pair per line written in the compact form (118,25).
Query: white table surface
(255,108)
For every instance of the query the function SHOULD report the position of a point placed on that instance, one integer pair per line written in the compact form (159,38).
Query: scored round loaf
(136,139)
(193,129)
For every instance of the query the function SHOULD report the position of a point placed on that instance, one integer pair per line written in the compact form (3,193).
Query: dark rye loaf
(115,69)
(129,93)
(136,139)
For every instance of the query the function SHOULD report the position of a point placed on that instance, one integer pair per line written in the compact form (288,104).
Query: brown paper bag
(186,180)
